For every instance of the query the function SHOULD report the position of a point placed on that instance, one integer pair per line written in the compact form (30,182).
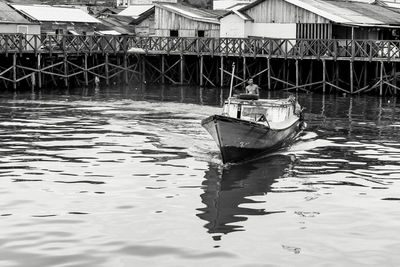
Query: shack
(313,19)
(180,20)
(59,20)
(13,22)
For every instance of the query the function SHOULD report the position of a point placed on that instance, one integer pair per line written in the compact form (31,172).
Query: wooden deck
(353,50)
(347,66)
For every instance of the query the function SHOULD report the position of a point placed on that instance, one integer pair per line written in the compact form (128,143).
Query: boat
(250,127)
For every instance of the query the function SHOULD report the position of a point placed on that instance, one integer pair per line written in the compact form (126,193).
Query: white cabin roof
(51,13)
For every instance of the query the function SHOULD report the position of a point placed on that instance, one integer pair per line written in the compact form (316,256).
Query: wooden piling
(85,71)
(15,71)
(39,67)
(269,73)
(323,76)
(163,69)
(297,75)
(351,76)
(182,70)
(381,79)
(222,71)
(126,76)
(201,70)
(107,70)
(65,70)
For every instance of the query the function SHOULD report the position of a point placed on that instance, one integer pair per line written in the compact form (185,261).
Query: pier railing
(365,50)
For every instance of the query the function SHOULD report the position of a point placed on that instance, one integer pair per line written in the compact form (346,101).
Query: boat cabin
(270,110)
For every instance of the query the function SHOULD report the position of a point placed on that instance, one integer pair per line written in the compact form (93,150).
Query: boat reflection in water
(226,190)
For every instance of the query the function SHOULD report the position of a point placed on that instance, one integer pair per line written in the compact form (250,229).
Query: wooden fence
(337,49)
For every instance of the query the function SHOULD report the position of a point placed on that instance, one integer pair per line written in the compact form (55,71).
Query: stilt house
(12,22)
(180,20)
(60,20)
(312,19)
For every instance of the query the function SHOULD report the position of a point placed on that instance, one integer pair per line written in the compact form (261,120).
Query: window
(173,33)
(200,33)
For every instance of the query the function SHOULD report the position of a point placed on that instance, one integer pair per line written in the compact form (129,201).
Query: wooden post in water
(15,71)
(297,75)
(182,70)
(381,80)
(394,81)
(163,69)
(351,76)
(39,67)
(85,72)
(244,68)
(201,70)
(65,70)
(143,58)
(365,73)
(126,78)
(106,70)
(323,76)
(269,73)
(222,71)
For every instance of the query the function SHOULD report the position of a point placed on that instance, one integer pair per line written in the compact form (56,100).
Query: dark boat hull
(241,140)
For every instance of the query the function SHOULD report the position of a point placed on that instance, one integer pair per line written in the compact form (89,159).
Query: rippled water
(127,177)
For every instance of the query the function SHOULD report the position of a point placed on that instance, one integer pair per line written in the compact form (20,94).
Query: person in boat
(252,88)
(296,105)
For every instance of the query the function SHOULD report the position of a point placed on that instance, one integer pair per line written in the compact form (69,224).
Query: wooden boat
(250,127)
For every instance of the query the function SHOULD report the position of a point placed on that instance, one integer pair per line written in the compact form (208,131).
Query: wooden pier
(347,66)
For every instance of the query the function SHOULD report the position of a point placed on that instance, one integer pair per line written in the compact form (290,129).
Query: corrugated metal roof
(192,13)
(135,11)
(230,4)
(345,12)
(9,15)
(50,13)
(117,23)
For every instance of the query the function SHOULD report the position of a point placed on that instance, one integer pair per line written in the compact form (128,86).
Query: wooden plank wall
(166,21)
(314,31)
(279,11)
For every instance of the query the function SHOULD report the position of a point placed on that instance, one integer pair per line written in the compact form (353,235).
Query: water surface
(127,177)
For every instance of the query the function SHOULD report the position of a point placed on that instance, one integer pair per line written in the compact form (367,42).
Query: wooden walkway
(66,56)
(355,50)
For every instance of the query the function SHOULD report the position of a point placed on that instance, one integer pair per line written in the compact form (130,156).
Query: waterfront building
(179,20)
(12,22)
(60,20)
(312,19)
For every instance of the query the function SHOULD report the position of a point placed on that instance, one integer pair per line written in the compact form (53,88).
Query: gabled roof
(50,13)
(135,11)
(11,16)
(345,12)
(197,14)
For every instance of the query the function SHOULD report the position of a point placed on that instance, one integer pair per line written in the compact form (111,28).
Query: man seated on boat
(252,88)
(296,105)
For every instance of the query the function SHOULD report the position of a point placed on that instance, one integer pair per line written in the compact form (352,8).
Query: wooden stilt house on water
(180,20)
(12,22)
(59,20)
(313,19)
